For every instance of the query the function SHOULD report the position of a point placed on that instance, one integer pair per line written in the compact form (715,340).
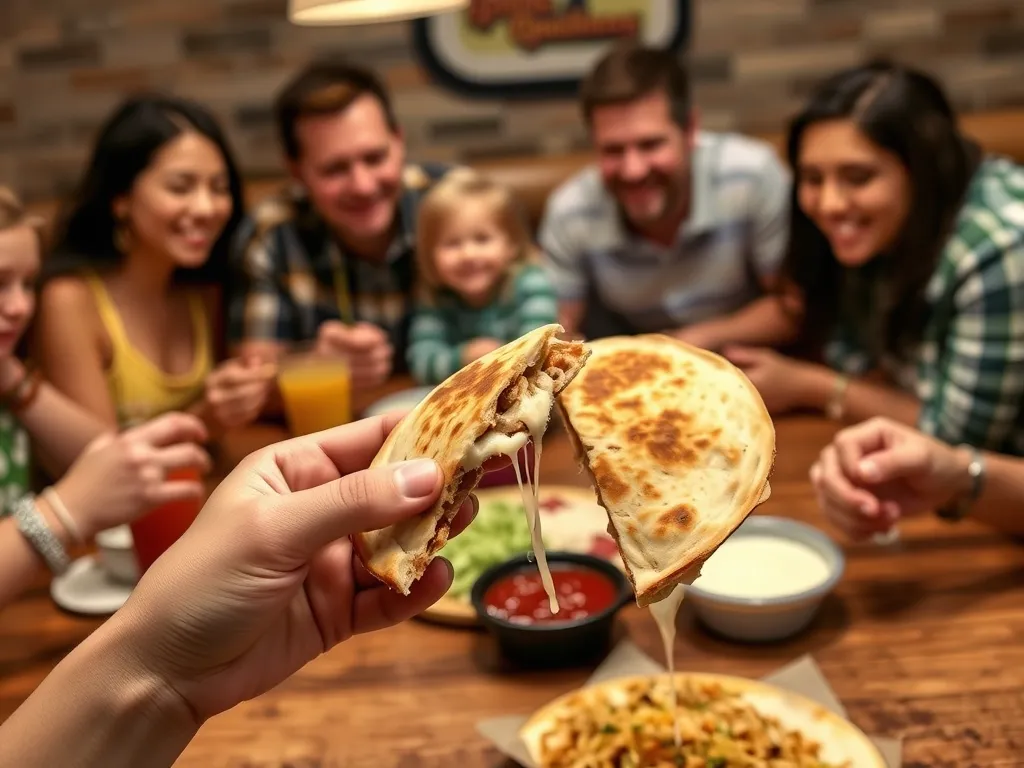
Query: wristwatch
(959,506)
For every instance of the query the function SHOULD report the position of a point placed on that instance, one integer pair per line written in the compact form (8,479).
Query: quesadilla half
(492,407)
(679,446)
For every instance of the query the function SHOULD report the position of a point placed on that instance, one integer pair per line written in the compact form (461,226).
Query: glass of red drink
(159,528)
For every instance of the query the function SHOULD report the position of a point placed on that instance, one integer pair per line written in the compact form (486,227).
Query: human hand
(477,348)
(364,346)
(702,335)
(119,477)
(875,473)
(237,390)
(266,579)
(778,379)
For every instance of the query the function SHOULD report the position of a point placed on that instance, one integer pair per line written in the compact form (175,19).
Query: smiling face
(644,158)
(351,163)
(179,205)
(473,250)
(857,193)
(19,268)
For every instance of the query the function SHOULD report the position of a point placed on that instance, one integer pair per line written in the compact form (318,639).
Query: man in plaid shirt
(330,262)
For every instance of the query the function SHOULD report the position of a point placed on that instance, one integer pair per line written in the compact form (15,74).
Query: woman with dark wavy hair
(907,254)
(129,325)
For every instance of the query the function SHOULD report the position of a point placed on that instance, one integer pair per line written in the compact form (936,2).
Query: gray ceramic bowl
(771,618)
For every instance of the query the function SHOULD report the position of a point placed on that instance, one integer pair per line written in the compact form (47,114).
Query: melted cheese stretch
(534,410)
(494,444)
(665,612)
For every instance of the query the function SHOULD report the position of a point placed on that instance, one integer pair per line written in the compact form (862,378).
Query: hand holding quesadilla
(676,439)
(490,408)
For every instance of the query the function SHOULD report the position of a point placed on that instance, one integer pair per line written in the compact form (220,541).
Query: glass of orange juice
(316,391)
(158,529)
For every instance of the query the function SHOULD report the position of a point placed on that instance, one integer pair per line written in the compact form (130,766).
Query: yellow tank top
(139,388)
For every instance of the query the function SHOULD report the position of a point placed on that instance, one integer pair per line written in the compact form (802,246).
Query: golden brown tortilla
(485,396)
(679,445)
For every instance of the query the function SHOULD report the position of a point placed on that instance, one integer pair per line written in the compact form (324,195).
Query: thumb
(894,463)
(362,501)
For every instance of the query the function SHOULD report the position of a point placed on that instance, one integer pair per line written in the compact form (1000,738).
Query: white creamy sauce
(762,566)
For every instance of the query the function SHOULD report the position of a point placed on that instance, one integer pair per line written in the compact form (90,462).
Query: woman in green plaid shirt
(480,285)
(907,262)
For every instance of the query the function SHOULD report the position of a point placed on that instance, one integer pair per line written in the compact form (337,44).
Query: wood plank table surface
(921,640)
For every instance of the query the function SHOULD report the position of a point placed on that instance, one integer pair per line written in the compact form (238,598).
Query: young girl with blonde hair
(481,285)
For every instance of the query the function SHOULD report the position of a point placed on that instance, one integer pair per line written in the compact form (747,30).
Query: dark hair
(629,72)
(125,147)
(905,112)
(326,87)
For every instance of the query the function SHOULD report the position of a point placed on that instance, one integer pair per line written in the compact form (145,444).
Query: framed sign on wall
(536,48)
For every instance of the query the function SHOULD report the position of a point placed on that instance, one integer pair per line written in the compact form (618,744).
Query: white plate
(403,400)
(87,589)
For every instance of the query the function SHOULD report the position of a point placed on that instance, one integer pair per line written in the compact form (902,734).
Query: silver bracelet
(34,528)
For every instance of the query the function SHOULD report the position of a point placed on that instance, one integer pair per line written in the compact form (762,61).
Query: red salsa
(521,599)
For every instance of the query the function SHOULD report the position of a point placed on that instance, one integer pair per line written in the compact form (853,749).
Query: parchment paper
(802,676)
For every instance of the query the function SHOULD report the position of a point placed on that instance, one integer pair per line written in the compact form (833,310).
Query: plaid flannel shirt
(442,329)
(968,371)
(286,260)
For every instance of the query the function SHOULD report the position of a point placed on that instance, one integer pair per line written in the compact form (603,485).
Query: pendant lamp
(328,12)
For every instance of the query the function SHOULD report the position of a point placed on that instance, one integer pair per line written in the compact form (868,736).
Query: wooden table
(922,640)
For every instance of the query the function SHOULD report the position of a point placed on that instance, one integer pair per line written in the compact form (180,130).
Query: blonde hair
(458,186)
(13,214)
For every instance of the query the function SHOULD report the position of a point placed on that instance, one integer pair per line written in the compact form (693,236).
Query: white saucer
(404,400)
(85,588)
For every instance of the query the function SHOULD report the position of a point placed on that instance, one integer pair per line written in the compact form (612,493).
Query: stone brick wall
(65,63)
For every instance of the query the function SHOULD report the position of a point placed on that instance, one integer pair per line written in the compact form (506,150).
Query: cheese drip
(665,612)
(533,410)
(533,521)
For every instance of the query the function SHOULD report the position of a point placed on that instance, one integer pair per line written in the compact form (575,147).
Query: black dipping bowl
(553,644)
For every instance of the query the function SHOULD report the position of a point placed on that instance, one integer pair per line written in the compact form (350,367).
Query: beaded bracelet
(34,528)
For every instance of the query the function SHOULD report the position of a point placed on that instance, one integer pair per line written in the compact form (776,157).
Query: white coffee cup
(116,554)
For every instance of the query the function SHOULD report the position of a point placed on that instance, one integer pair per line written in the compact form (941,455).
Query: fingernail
(416,479)
(868,509)
(868,470)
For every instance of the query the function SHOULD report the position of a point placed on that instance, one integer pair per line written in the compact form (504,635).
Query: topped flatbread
(679,445)
(627,722)
(491,407)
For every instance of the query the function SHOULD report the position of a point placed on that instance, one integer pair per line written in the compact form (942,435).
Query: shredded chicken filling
(632,727)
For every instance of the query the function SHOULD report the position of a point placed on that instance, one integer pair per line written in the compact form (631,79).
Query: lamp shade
(325,12)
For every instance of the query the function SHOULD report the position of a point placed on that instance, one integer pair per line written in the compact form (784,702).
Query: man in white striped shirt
(673,230)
